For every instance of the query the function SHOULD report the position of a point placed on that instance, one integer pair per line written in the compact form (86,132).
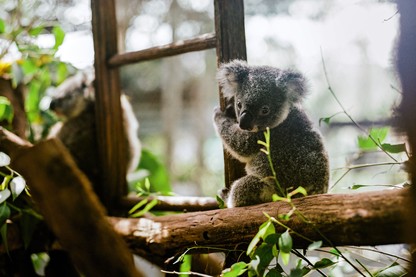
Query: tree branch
(368,218)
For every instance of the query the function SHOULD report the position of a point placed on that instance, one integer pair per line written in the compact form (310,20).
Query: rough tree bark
(71,209)
(359,219)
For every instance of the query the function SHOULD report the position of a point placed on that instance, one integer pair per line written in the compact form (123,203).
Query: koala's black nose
(246,121)
(52,105)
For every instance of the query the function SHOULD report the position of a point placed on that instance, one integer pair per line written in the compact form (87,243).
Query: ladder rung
(203,42)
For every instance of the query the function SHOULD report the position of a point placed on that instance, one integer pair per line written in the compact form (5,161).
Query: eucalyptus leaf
(315,245)
(4,159)
(17,186)
(59,36)
(325,262)
(4,194)
(2,26)
(394,148)
(285,242)
(235,270)
(4,213)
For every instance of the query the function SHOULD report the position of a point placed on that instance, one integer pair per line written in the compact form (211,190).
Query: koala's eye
(239,105)
(265,110)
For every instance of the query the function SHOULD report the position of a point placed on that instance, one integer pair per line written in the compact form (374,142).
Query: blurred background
(174,98)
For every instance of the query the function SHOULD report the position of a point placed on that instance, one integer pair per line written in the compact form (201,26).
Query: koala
(258,97)
(74,102)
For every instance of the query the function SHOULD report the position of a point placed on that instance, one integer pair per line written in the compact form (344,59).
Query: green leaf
(325,262)
(272,239)
(17,186)
(297,272)
(394,270)
(315,245)
(4,194)
(326,120)
(394,148)
(6,110)
(265,229)
(367,143)
(2,26)
(35,31)
(285,242)
(138,205)
(285,257)
(147,208)
(59,36)
(4,159)
(4,213)
(220,201)
(274,273)
(300,190)
(158,174)
(235,270)
(186,264)
(264,255)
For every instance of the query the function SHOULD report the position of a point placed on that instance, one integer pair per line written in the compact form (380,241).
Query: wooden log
(371,218)
(203,42)
(110,135)
(72,210)
(231,44)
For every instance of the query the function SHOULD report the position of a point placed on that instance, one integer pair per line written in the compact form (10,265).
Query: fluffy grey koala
(73,101)
(259,97)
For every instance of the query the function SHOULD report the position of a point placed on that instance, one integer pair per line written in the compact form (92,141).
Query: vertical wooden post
(110,133)
(231,44)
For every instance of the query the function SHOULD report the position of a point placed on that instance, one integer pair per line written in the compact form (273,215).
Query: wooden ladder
(229,41)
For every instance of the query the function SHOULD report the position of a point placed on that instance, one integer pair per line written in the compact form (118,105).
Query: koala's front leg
(242,144)
(250,190)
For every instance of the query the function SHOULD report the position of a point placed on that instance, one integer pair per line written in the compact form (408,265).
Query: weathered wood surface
(203,42)
(72,210)
(231,44)
(111,141)
(371,218)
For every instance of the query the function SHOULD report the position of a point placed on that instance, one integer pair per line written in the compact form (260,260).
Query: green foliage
(13,202)
(35,68)
(6,110)
(152,169)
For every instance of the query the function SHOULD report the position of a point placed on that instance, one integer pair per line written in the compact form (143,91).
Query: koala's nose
(246,121)
(52,105)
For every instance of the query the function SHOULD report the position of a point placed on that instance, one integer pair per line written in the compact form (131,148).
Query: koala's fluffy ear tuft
(293,83)
(231,75)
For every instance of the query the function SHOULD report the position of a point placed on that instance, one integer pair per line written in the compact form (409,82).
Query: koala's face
(71,97)
(69,105)
(263,95)
(259,103)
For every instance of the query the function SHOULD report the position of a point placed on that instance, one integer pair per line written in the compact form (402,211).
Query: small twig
(347,114)
(186,273)
(381,252)
(303,257)
(363,266)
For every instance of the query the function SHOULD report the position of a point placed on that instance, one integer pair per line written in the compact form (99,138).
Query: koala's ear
(231,75)
(293,83)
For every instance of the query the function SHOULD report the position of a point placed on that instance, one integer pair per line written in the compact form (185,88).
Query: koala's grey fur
(73,101)
(259,97)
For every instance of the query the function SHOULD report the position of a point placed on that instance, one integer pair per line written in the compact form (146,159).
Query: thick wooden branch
(72,210)
(203,42)
(369,218)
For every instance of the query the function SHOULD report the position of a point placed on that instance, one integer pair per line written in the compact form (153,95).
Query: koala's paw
(250,190)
